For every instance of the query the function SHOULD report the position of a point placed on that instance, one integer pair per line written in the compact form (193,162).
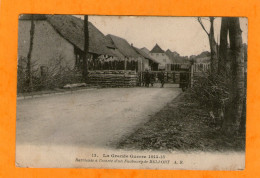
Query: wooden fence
(169,76)
(115,78)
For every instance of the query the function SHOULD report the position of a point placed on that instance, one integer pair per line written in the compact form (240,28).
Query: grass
(55,90)
(182,127)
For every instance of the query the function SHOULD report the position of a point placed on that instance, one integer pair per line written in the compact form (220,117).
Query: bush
(55,74)
(22,79)
(210,91)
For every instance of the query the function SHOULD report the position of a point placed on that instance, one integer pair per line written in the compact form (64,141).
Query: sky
(181,34)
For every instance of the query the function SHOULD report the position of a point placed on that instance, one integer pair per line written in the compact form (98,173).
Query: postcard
(131,92)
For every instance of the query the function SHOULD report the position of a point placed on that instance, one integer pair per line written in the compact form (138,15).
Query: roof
(174,53)
(35,17)
(114,50)
(71,28)
(145,55)
(144,49)
(203,57)
(123,46)
(157,49)
(159,61)
(175,58)
(168,51)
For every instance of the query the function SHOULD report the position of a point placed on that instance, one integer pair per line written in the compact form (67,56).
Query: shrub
(210,91)
(55,74)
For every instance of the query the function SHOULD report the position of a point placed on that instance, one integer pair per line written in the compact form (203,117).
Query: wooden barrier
(114,78)
(169,76)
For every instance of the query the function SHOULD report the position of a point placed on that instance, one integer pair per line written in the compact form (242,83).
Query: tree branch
(204,18)
(200,21)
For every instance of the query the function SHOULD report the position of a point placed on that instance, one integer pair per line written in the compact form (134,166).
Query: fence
(113,78)
(173,77)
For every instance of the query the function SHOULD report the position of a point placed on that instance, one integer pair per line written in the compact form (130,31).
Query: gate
(177,77)
(183,78)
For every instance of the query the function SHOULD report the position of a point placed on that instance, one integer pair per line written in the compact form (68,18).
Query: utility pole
(86,49)
(29,56)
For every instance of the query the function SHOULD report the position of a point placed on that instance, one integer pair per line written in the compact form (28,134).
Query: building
(59,37)
(134,58)
(201,62)
(129,56)
(160,56)
(178,62)
(147,63)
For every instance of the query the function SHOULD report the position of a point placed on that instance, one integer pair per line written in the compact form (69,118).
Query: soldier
(143,79)
(161,78)
(147,78)
(152,78)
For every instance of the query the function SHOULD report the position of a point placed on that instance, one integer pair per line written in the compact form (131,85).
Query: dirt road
(93,118)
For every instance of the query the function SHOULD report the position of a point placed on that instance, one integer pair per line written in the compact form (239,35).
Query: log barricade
(169,76)
(115,78)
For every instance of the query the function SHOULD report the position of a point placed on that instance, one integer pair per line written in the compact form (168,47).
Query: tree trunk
(29,56)
(234,111)
(213,48)
(223,46)
(243,119)
(86,49)
(212,44)
(223,64)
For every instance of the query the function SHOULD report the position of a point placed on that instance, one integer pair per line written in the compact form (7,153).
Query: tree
(235,74)
(223,46)
(86,49)
(212,44)
(29,56)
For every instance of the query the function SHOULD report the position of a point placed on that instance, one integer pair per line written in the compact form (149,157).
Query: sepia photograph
(131,92)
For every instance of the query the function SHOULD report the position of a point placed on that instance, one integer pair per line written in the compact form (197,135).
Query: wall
(48,45)
(146,64)
(162,58)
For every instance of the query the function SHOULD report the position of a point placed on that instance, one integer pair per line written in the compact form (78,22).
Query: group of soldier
(149,78)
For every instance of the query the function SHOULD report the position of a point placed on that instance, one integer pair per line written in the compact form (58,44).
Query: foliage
(182,126)
(55,74)
(210,91)
(22,78)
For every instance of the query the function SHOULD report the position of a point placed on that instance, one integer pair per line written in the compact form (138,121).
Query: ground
(56,130)
(98,117)
(182,125)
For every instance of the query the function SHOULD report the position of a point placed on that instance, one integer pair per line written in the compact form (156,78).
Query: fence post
(192,75)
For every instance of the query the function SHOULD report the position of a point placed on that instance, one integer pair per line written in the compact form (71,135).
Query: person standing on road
(152,78)
(161,78)
(143,79)
(147,78)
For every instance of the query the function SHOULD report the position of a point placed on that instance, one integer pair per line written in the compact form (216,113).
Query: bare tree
(212,43)
(29,56)
(223,46)
(86,49)
(235,71)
